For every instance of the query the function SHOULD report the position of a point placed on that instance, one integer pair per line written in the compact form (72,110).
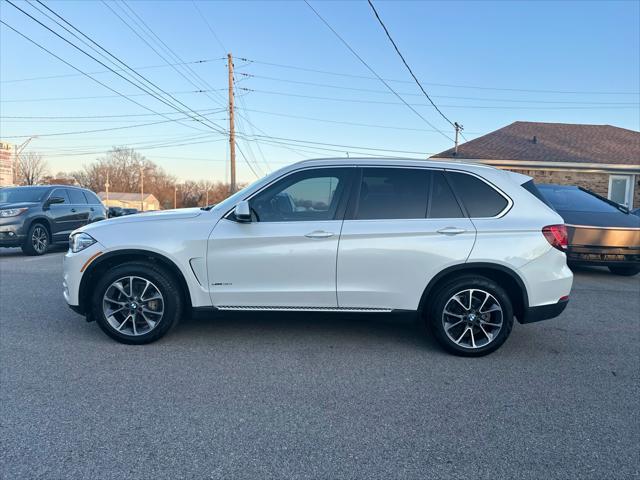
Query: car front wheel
(137,303)
(471,316)
(37,241)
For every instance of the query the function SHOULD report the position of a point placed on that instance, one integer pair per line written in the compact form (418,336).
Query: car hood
(18,205)
(162,215)
(593,219)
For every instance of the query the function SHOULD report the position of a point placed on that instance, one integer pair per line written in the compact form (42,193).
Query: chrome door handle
(451,230)
(319,234)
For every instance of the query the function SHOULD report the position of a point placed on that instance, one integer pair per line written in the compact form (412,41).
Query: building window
(621,189)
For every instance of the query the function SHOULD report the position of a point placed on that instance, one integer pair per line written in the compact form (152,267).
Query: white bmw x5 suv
(467,247)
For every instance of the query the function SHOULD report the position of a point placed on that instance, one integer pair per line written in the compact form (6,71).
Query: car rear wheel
(471,316)
(37,241)
(625,271)
(137,303)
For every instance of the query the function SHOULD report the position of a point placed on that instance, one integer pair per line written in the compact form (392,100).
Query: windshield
(576,200)
(22,194)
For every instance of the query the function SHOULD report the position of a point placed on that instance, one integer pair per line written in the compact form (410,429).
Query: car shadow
(315,327)
(17,252)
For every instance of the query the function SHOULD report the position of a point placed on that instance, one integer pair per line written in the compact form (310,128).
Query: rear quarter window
(91,197)
(479,198)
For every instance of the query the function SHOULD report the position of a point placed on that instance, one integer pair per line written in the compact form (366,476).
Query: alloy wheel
(133,305)
(472,318)
(39,239)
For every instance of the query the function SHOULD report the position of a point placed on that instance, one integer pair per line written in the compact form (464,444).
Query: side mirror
(52,201)
(242,211)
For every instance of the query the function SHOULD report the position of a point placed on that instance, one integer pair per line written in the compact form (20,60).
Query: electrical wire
(374,72)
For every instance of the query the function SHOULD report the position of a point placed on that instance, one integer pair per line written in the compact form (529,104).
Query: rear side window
(478,197)
(391,193)
(91,197)
(76,196)
(443,203)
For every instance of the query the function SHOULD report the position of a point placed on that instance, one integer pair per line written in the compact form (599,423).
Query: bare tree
(32,168)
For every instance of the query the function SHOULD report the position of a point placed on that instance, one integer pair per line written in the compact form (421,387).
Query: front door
(286,256)
(62,215)
(405,227)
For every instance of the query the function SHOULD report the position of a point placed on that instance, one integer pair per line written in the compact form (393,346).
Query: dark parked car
(130,211)
(35,217)
(114,212)
(601,232)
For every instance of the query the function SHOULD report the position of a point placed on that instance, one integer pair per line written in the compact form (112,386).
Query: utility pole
(232,130)
(206,203)
(17,151)
(459,128)
(141,189)
(106,187)
(175,196)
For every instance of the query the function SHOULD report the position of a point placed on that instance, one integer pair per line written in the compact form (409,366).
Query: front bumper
(12,234)
(73,266)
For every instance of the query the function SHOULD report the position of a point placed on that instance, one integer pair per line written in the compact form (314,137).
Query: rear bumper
(544,312)
(605,256)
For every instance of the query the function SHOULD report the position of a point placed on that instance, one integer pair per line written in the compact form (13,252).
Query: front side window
(60,193)
(393,193)
(303,196)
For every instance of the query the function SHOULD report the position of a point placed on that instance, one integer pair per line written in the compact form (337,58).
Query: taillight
(556,235)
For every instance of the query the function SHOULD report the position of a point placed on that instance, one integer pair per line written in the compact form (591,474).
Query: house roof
(553,142)
(127,197)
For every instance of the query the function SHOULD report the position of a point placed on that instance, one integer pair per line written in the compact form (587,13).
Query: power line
(96,97)
(340,122)
(374,72)
(370,90)
(384,27)
(209,124)
(448,85)
(79,132)
(86,74)
(106,116)
(144,67)
(213,33)
(383,102)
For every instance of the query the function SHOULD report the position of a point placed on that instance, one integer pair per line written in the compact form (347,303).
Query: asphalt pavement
(313,396)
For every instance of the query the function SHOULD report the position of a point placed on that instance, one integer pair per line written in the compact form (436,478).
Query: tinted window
(22,194)
(388,193)
(532,188)
(309,195)
(479,198)
(91,197)
(62,193)
(574,199)
(76,196)
(443,203)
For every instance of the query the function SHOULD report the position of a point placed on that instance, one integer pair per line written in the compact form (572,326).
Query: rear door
(79,207)
(403,226)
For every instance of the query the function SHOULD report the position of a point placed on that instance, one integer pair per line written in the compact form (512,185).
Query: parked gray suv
(35,217)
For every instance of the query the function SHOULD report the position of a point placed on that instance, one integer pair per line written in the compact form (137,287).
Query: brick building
(601,158)
(6,164)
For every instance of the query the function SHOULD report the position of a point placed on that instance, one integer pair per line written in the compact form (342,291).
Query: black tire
(165,283)
(38,240)
(625,271)
(442,297)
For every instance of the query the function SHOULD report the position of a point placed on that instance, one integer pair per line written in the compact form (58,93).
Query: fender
(475,266)
(109,257)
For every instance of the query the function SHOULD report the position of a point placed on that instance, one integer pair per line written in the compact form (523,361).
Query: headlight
(12,212)
(80,241)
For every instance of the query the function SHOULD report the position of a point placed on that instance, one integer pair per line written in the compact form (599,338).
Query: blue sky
(486,64)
